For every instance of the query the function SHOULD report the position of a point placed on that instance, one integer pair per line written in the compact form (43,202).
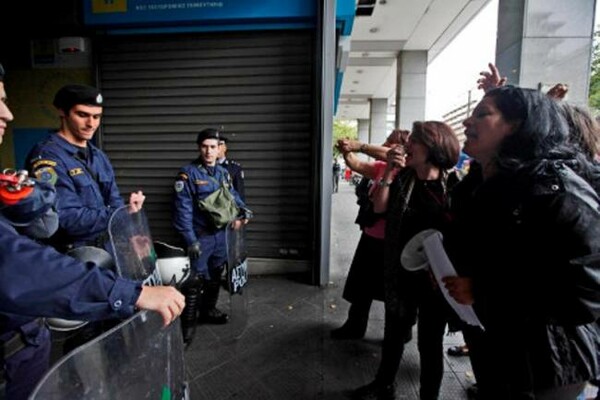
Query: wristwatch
(383,183)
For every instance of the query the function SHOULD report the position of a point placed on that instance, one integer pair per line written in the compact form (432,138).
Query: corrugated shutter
(160,91)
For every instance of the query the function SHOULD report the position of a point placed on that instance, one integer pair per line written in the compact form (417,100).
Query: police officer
(233,167)
(37,281)
(206,244)
(83,176)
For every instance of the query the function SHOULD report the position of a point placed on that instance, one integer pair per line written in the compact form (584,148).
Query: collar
(68,147)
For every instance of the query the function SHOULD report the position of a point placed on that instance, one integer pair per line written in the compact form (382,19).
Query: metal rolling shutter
(160,91)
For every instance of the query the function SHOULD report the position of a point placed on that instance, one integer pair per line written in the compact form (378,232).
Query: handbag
(220,207)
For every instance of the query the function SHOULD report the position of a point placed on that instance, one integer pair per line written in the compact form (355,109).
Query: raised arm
(354,146)
(490,80)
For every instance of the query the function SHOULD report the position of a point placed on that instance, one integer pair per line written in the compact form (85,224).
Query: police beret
(71,95)
(1,73)
(209,133)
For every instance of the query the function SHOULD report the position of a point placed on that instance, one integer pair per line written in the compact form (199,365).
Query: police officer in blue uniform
(233,167)
(206,244)
(83,176)
(36,281)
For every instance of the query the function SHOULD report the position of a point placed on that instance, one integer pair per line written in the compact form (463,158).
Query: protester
(525,243)
(416,198)
(365,277)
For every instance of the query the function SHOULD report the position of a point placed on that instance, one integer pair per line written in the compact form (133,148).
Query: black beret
(1,73)
(209,133)
(71,95)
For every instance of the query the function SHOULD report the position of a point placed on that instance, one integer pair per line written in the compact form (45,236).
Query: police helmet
(172,263)
(95,255)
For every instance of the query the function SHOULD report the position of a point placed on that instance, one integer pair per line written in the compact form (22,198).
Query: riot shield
(132,247)
(137,359)
(236,280)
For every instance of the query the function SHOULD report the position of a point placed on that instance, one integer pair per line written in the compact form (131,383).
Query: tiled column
(378,121)
(410,88)
(363,130)
(543,42)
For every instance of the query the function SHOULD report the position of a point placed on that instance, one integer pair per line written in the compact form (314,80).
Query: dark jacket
(530,240)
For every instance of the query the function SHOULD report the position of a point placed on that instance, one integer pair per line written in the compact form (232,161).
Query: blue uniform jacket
(237,176)
(194,183)
(38,281)
(86,189)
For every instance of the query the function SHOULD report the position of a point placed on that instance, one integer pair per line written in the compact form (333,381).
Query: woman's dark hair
(440,140)
(541,132)
(584,130)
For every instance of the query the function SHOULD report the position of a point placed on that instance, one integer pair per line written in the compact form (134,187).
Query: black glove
(246,213)
(194,251)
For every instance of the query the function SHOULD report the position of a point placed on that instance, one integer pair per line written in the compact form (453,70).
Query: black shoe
(472,392)
(375,391)
(213,316)
(347,331)
(408,335)
(458,351)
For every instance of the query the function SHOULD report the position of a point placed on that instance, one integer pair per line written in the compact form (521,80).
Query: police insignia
(178,186)
(47,174)
(183,176)
(40,163)
(75,171)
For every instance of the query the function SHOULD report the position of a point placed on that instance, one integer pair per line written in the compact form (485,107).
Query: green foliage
(341,130)
(594,96)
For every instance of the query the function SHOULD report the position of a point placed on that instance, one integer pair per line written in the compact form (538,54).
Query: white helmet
(172,263)
(99,257)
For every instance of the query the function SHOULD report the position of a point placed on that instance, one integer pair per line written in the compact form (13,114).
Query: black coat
(530,240)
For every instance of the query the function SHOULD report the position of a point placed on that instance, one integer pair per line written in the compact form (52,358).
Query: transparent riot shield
(137,359)
(132,246)
(236,280)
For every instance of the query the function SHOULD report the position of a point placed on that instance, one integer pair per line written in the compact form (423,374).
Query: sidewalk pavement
(286,353)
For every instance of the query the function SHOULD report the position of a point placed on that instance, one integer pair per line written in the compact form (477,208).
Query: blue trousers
(25,368)
(214,255)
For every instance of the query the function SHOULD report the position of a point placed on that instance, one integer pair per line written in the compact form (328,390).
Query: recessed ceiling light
(355,82)
(374,29)
(352,91)
(359,71)
(382,1)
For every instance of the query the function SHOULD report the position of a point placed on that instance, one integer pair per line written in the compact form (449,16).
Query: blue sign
(151,13)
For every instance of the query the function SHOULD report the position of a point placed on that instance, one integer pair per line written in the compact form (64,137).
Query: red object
(13,197)
(347,174)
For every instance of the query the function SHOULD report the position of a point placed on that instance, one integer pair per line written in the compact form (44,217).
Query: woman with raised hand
(526,246)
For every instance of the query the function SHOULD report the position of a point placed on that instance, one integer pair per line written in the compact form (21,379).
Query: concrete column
(411,80)
(543,42)
(378,121)
(363,130)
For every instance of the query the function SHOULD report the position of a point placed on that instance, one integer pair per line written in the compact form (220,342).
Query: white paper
(442,267)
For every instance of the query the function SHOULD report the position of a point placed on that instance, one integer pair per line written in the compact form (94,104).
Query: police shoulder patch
(43,163)
(46,174)
(179,185)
